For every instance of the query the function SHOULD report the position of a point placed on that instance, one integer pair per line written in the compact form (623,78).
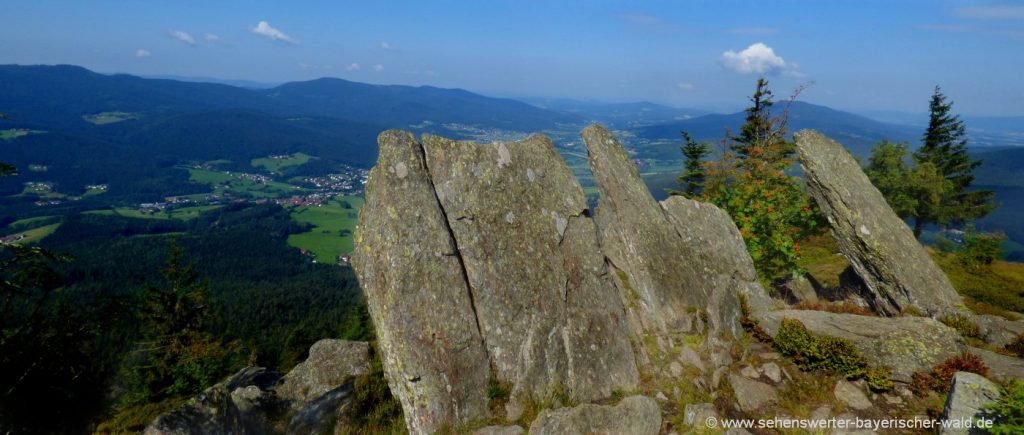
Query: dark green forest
(267,303)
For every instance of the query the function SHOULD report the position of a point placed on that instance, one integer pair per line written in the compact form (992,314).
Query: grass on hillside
(104,118)
(36,234)
(996,289)
(276,165)
(28,222)
(183,213)
(326,240)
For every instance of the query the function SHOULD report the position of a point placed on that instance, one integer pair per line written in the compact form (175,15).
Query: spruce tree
(945,147)
(694,175)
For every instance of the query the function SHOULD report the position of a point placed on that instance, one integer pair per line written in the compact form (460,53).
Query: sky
(853,55)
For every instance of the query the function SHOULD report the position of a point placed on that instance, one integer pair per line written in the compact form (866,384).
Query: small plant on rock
(838,355)
(963,325)
(941,375)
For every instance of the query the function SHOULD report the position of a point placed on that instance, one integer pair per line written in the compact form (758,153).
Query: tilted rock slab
(481,257)
(881,248)
(678,255)
(330,363)
(969,394)
(904,344)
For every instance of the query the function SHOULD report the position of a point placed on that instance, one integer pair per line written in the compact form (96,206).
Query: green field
(37,234)
(325,240)
(15,133)
(276,165)
(28,222)
(233,183)
(109,117)
(176,213)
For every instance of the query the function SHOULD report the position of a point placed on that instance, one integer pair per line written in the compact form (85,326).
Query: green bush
(838,355)
(963,325)
(373,409)
(980,249)
(1008,411)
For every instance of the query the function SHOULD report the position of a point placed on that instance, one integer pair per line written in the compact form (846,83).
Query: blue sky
(863,54)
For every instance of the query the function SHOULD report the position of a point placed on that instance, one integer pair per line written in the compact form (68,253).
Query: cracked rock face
(677,256)
(479,261)
(881,248)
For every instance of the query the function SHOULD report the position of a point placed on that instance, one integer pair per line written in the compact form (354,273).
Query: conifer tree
(694,174)
(945,148)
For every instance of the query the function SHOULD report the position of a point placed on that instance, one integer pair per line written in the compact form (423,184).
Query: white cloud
(211,37)
(142,52)
(686,86)
(378,68)
(352,67)
(385,45)
(183,37)
(991,12)
(264,29)
(757,58)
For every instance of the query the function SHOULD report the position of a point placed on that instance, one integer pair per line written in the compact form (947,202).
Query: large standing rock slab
(904,344)
(638,415)
(548,311)
(677,256)
(968,396)
(416,290)
(881,248)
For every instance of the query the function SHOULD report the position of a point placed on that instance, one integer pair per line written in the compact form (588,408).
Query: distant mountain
(402,106)
(857,133)
(230,82)
(59,96)
(618,115)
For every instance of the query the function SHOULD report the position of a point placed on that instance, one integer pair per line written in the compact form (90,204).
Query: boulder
(750,394)
(652,245)
(330,363)
(968,396)
(851,396)
(638,415)
(416,289)
(1000,366)
(696,415)
(999,331)
(904,344)
(895,268)
(480,261)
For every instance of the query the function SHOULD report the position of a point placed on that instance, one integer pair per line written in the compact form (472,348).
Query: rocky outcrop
(329,365)
(256,400)
(637,415)
(239,405)
(417,292)
(896,270)
(677,256)
(904,344)
(968,396)
(480,261)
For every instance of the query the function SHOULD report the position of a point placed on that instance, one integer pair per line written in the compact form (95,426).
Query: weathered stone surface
(548,311)
(638,415)
(416,290)
(696,415)
(750,394)
(904,344)
(1001,366)
(500,430)
(238,405)
(999,331)
(479,260)
(772,371)
(330,363)
(968,395)
(690,357)
(881,248)
(850,395)
(653,245)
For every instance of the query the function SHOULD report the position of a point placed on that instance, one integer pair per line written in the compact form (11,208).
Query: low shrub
(980,249)
(838,355)
(373,409)
(941,375)
(841,308)
(963,325)
(1016,346)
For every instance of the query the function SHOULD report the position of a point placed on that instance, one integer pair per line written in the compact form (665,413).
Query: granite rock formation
(896,270)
